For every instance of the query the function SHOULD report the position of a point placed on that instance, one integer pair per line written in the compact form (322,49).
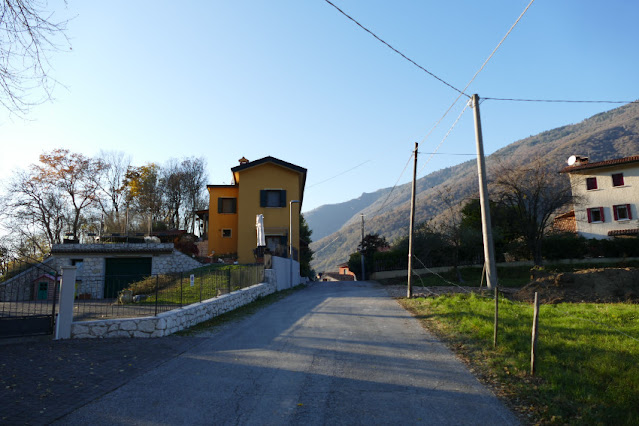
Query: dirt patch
(605,285)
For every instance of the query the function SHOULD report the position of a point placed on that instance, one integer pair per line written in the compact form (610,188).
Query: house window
(591,183)
(595,214)
(226,233)
(617,179)
(227,205)
(273,198)
(622,212)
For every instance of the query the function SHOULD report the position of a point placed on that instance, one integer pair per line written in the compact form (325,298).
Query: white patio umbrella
(259,224)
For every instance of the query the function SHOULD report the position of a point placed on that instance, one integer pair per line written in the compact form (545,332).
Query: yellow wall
(254,179)
(219,221)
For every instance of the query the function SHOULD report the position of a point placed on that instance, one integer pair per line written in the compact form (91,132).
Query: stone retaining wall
(173,321)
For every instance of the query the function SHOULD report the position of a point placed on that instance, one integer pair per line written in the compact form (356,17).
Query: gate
(29,291)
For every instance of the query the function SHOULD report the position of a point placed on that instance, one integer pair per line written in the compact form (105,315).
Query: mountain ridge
(610,134)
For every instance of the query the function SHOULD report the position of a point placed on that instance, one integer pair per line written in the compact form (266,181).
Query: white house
(607,194)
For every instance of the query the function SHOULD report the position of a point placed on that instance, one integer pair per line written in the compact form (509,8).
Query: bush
(564,246)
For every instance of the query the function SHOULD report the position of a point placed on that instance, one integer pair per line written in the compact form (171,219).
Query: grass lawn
(209,281)
(587,373)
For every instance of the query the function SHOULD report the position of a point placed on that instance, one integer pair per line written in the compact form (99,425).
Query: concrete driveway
(333,353)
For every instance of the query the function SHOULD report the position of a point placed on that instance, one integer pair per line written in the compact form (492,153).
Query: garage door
(121,272)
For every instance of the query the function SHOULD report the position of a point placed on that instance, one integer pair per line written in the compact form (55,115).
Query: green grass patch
(587,373)
(209,281)
(240,312)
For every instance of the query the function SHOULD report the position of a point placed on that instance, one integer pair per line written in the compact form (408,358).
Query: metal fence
(29,292)
(131,296)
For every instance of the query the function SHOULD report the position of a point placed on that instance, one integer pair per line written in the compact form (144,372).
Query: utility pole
(362,252)
(409,292)
(486,227)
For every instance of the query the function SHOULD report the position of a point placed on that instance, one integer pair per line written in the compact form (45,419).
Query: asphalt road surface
(333,353)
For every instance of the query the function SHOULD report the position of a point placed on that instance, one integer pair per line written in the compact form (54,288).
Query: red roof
(598,164)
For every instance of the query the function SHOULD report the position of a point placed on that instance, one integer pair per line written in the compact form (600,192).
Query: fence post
(65,312)
(181,291)
(55,296)
(496,317)
(157,288)
(229,282)
(534,336)
(200,287)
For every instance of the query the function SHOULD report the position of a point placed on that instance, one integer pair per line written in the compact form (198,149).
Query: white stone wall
(174,262)
(173,321)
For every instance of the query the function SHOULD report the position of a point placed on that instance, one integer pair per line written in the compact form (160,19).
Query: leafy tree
(143,191)
(73,174)
(306,254)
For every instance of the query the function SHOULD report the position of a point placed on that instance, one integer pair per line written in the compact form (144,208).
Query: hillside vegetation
(611,134)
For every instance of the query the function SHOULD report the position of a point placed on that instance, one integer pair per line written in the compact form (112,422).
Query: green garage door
(121,272)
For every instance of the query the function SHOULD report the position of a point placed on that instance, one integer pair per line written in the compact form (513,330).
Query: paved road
(333,353)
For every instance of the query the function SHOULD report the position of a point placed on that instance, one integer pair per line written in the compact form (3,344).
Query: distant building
(344,270)
(607,193)
(265,186)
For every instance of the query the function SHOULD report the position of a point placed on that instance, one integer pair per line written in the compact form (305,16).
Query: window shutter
(614,212)
(233,205)
(219,205)
(262,198)
(283,198)
(629,211)
(601,213)
(589,215)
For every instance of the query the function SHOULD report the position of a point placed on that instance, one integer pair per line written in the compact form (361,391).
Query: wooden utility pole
(533,348)
(486,227)
(409,292)
(362,252)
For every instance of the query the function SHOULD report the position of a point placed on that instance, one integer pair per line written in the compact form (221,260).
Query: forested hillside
(611,134)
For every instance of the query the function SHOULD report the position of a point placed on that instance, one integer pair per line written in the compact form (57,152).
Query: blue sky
(298,81)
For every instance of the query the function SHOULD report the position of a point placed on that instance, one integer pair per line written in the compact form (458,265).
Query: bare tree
(33,208)
(171,183)
(194,184)
(449,225)
(28,34)
(111,184)
(534,193)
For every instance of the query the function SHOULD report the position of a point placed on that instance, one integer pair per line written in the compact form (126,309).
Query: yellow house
(265,186)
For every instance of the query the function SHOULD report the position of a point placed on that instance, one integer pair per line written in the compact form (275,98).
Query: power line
(478,71)
(394,186)
(561,101)
(445,137)
(339,174)
(396,51)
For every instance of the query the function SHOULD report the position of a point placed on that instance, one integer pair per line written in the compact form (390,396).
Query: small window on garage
(226,233)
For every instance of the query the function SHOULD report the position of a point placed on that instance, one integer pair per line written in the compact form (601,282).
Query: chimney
(580,161)
(243,160)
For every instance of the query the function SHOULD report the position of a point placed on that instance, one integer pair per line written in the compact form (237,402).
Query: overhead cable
(561,101)
(396,51)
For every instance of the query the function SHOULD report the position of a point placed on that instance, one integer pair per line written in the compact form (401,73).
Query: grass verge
(587,373)
(240,312)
